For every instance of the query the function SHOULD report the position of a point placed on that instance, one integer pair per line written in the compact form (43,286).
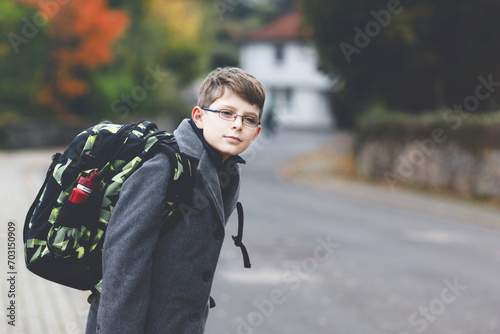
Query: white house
(279,55)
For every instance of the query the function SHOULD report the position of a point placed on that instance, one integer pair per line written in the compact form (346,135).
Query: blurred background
(404,79)
(75,63)
(381,136)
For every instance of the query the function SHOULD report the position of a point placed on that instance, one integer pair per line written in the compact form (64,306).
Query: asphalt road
(339,257)
(329,257)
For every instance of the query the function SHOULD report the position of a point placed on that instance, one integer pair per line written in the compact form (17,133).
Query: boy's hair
(239,81)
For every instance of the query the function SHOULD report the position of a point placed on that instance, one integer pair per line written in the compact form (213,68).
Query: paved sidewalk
(41,307)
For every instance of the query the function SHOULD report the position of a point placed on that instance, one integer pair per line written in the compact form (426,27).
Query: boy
(162,283)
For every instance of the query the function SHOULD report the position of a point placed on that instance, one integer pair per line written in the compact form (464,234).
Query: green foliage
(20,71)
(10,12)
(414,56)
(152,43)
(119,91)
(473,132)
(181,46)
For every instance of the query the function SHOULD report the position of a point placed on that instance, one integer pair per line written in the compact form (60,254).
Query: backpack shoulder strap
(182,177)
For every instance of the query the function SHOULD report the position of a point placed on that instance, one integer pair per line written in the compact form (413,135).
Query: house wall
(296,90)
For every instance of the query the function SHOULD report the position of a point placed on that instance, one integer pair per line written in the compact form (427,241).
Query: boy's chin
(228,154)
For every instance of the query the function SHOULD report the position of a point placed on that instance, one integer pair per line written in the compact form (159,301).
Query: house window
(288,97)
(279,53)
(282,98)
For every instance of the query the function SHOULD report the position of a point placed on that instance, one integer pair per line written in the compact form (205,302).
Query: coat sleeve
(131,236)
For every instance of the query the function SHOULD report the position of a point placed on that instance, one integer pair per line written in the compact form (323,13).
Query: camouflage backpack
(63,240)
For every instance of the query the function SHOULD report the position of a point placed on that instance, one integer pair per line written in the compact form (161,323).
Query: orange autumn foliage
(81,34)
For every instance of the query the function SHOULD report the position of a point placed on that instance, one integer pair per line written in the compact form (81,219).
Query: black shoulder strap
(238,238)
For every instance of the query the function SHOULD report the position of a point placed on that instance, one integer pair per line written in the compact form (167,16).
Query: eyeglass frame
(235,116)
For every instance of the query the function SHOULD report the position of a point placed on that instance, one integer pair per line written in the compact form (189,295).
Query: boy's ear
(256,133)
(197,115)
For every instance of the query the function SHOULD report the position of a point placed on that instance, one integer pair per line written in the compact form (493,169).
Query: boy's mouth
(233,138)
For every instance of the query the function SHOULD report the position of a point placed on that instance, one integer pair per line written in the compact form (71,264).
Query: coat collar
(210,167)
(188,141)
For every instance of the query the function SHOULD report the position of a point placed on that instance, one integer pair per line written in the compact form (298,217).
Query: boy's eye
(227,113)
(250,120)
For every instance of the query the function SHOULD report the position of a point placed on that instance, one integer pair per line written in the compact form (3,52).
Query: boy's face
(227,137)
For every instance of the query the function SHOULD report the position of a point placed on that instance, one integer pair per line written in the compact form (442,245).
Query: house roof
(287,27)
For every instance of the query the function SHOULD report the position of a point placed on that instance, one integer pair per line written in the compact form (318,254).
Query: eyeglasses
(228,115)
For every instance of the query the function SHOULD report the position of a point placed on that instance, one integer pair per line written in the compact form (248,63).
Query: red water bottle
(84,188)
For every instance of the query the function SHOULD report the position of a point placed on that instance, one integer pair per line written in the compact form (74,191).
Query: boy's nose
(238,122)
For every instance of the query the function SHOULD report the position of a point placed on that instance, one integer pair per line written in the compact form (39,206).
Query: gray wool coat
(160,282)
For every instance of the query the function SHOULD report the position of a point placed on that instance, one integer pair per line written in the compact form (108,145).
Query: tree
(411,56)
(91,58)
(80,35)
(20,73)
(165,36)
(180,22)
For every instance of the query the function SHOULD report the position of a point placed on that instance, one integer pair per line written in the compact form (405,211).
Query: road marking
(263,275)
(435,236)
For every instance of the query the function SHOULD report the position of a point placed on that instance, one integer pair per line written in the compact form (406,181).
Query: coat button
(218,234)
(207,275)
(194,317)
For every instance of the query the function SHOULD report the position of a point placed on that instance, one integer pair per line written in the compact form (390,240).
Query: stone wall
(437,164)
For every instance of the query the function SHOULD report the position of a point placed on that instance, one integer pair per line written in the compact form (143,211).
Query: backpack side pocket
(75,228)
